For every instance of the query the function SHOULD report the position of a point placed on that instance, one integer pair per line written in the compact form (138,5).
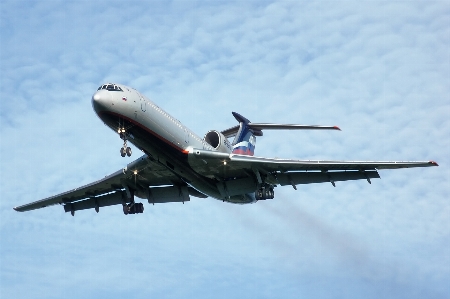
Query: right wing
(291,172)
(111,189)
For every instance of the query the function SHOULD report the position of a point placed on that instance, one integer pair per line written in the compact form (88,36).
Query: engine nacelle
(219,142)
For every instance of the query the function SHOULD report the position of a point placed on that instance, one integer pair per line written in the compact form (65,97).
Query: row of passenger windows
(110,87)
(177,122)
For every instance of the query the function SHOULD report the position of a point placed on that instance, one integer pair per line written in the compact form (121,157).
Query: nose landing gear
(125,150)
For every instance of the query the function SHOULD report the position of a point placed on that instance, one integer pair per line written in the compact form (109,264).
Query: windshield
(110,87)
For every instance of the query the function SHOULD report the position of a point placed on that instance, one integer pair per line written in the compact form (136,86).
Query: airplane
(178,164)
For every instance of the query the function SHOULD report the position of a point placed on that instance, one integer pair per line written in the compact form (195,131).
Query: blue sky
(378,69)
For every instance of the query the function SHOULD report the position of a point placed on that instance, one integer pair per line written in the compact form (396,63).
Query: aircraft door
(143,103)
(186,136)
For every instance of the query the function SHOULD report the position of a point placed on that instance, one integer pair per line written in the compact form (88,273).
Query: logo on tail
(245,140)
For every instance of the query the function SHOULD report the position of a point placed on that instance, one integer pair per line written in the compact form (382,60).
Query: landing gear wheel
(133,208)
(139,208)
(259,194)
(265,192)
(125,150)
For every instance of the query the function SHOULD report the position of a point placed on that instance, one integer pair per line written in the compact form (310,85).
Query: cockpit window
(110,87)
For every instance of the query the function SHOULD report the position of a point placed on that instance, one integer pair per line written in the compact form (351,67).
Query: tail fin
(245,140)
(245,133)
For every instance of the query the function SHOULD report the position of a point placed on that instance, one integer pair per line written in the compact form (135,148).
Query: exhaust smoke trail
(306,244)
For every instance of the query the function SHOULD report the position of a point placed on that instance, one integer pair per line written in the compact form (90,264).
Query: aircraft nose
(101,99)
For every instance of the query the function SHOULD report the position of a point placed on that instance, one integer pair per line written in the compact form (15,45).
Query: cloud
(378,69)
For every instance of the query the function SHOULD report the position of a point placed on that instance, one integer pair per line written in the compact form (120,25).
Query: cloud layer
(378,69)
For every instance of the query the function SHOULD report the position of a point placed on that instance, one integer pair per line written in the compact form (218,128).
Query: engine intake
(218,141)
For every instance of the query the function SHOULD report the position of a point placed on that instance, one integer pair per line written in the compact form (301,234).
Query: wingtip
(433,163)
(337,128)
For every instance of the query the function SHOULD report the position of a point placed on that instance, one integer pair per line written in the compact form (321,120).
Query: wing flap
(297,178)
(271,164)
(111,199)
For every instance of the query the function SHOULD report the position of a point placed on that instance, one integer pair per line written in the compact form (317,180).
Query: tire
(259,195)
(140,208)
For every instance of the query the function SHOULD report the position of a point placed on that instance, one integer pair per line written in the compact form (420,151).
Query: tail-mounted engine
(218,141)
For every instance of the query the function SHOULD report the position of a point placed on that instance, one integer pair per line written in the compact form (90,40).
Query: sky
(380,70)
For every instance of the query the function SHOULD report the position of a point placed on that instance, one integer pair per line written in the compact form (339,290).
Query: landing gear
(133,208)
(125,150)
(265,192)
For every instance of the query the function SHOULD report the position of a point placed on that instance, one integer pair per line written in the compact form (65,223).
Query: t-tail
(245,140)
(245,133)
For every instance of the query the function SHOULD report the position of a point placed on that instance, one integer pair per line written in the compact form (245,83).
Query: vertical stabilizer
(245,140)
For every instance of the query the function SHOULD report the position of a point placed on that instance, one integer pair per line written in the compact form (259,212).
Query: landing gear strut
(124,150)
(133,207)
(265,192)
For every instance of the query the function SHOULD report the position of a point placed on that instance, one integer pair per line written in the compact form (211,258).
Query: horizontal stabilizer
(258,127)
(261,126)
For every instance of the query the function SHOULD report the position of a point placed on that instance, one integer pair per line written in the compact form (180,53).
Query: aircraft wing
(109,190)
(293,172)
(284,165)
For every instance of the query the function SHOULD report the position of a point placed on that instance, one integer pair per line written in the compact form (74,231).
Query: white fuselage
(158,134)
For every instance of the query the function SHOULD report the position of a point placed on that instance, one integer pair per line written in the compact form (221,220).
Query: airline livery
(178,164)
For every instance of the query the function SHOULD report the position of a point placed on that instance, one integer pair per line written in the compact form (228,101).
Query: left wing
(293,172)
(111,190)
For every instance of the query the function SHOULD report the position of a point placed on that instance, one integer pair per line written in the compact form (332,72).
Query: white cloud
(379,70)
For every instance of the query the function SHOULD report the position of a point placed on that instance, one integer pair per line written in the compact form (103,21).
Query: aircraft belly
(162,139)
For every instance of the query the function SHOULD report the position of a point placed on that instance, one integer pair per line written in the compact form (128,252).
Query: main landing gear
(265,192)
(125,150)
(133,208)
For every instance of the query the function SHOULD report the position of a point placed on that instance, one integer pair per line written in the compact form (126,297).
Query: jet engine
(218,141)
